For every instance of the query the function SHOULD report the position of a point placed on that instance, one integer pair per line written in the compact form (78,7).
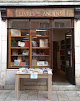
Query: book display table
(27,75)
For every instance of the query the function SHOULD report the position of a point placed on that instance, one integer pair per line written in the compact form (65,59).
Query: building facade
(67,11)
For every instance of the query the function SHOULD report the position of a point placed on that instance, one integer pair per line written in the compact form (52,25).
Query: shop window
(28,47)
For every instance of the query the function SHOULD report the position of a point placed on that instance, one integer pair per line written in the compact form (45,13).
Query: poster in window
(15,32)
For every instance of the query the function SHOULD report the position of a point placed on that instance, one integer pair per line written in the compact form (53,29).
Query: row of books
(42,43)
(22,52)
(20,63)
(39,63)
(35,71)
(20,44)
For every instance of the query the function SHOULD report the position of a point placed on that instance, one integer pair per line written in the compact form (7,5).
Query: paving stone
(72,93)
(78,92)
(62,96)
(23,96)
(4,95)
(42,95)
(28,100)
(54,98)
(41,100)
(74,98)
(32,95)
(1,91)
(2,99)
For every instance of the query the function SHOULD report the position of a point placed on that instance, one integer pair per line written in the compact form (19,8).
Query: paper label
(34,76)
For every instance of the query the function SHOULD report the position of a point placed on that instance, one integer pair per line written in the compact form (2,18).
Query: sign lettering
(43,12)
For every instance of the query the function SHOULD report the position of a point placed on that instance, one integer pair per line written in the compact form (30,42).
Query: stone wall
(77,51)
(3,50)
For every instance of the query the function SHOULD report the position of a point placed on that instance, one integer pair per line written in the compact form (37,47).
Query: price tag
(34,76)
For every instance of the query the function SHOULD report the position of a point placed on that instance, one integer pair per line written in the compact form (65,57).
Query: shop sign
(37,12)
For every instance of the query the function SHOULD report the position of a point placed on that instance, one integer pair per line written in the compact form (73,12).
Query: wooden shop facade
(41,38)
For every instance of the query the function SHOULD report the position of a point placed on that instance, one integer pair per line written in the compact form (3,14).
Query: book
(34,61)
(27,64)
(43,42)
(34,44)
(46,42)
(26,43)
(16,62)
(14,44)
(25,52)
(21,44)
(21,63)
(15,32)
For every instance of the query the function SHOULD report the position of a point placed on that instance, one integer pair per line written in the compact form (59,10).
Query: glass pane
(62,23)
(40,48)
(39,24)
(18,48)
(19,24)
(69,48)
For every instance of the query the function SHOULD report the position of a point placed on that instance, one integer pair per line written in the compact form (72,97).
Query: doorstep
(54,87)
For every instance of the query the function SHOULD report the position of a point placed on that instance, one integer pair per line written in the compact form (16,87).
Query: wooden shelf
(19,66)
(19,47)
(19,55)
(41,36)
(40,55)
(40,47)
(18,36)
(40,66)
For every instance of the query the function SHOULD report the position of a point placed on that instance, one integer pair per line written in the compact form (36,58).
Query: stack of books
(43,42)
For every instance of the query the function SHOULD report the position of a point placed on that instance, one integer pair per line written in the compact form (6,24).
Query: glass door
(70,74)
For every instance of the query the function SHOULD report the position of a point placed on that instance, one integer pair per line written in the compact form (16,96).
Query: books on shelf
(23,44)
(43,42)
(42,63)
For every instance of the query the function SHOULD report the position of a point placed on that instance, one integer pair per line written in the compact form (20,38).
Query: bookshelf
(29,48)
(39,48)
(62,55)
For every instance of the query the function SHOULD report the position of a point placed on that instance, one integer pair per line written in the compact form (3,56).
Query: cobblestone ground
(34,95)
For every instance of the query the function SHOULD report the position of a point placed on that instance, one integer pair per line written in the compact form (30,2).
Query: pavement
(35,95)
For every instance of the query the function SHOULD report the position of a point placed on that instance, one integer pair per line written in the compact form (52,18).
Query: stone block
(77,33)
(3,67)
(77,74)
(77,81)
(4,52)
(77,55)
(10,78)
(77,67)
(4,28)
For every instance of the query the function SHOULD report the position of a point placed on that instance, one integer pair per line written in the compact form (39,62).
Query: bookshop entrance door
(69,59)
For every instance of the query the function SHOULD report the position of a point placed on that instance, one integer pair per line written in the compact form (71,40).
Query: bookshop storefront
(39,38)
